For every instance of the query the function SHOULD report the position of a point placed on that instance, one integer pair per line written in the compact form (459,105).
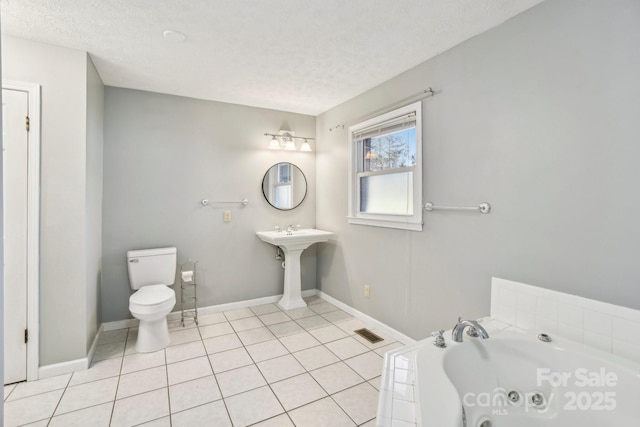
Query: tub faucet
(475,330)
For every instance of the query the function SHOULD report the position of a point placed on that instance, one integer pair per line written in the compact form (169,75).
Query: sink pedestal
(292,295)
(292,244)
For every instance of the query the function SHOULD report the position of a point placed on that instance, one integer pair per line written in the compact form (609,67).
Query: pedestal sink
(292,244)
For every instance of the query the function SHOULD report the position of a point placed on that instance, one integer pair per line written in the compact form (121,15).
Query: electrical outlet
(367,291)
(227,216)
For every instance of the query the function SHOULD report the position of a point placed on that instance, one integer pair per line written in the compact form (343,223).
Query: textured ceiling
(304,56)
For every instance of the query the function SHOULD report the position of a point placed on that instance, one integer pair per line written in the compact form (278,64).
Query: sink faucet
(291,228)
(475,330)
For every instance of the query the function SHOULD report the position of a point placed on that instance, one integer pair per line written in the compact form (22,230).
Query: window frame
(400,221)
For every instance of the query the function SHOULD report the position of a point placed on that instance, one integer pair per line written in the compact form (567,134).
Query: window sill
(402,225)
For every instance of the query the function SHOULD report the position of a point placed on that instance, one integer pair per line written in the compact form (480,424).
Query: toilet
(151,272)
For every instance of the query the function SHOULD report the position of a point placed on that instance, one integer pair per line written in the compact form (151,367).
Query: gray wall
(162,155)
(62,74)
(95,114)
(1,257)
(538,117)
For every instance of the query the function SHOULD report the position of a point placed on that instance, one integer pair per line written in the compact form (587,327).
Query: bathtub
(516,380)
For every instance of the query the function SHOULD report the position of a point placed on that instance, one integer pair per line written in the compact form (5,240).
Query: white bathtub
(579,385)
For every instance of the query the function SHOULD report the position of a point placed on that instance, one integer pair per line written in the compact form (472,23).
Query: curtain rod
(426,93)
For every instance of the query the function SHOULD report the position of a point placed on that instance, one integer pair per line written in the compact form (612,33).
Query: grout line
(60,400)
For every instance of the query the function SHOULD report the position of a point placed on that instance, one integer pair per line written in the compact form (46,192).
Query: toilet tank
(151,267)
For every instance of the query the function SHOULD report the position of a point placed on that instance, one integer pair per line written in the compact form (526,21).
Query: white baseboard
(175,315)
(365,318)
(96,339)
(56,369)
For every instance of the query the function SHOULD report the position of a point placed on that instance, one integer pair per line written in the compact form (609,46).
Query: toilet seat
(151,299)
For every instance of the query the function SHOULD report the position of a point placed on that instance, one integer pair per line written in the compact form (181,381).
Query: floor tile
(349,326)
(210,319)
(26,389)
(253,406)
(142,381)
(372,423)
(336,377)
(299,342)
(94,416)
(139,361)
(193,393)
(282,420)
(222,343)
(375,382)
(31,409)
(314,299)
(108,351)
(98,371)
(359,402)
(382,350)
(323,307)
(230,359)
(240,380)
(246,323)
(273,318)
(132,337)
(367,365)
(259,310)
(41,423)
(211,414)
(328,333)
(158,422)
(322,413)
(88,394)
(336,316)
(266,350)
(297,391)
(299,313)
(8,389)
(280,368)
(238,314)
(346,347)
(215,330)
(286,328)
(315,357)
(177,353)
(253,336)
(176,324)
(312,322)
(140,408)
(182,336)
(113,336)
(188,370)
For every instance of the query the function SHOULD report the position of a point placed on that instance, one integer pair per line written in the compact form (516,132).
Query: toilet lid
(152,295)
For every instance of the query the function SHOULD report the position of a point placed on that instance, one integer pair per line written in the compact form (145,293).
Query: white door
(15,110)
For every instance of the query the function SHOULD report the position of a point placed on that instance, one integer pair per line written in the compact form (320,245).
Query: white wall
(1,258)
(162,155)
(537,117)
(95,119)
(62,74)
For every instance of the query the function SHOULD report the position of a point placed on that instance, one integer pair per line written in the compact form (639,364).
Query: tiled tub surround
(517,307)
(251,366)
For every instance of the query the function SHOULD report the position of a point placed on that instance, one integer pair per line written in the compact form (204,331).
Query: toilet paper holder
(189,290)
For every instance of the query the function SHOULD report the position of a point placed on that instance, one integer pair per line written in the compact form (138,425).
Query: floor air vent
(368,335)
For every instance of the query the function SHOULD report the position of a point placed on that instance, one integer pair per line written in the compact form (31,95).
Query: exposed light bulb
(305,146)
(274,144)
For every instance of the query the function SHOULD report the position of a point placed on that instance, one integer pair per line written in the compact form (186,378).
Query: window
(385,180)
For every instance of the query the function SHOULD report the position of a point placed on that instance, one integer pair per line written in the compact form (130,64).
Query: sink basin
(301,239)
(292,244)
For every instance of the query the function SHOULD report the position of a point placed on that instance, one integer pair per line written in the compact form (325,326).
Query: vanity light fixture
(287,140)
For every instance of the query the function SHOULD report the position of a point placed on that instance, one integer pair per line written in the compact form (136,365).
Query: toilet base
(152,335)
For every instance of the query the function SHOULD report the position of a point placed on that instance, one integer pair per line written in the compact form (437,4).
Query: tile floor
(257,366)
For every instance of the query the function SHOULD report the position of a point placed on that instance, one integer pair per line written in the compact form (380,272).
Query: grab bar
(484,208)
(205,202)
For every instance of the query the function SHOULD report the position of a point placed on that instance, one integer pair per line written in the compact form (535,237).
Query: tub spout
(475,330)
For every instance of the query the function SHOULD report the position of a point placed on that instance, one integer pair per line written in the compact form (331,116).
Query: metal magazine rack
(188,290)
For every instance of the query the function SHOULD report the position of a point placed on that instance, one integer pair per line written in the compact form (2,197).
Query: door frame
(33,223)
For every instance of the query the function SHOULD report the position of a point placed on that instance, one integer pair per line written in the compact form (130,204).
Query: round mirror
(284,186)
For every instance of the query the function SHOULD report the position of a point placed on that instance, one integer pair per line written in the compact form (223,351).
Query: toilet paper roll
(187,276)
